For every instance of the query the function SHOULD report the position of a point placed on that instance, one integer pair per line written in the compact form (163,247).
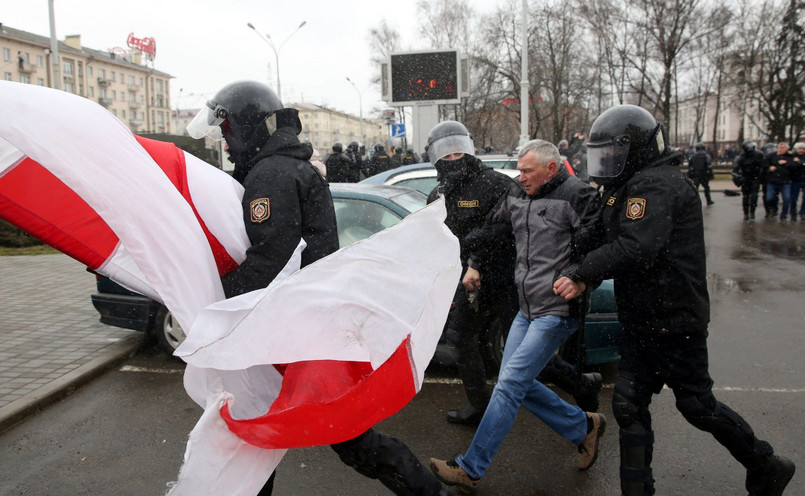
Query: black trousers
(749,190)
(465,327)
(383,458)
(681,361)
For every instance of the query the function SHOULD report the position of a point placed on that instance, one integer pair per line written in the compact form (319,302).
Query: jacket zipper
(528,256)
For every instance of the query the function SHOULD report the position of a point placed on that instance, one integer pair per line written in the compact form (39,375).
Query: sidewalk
(51,341)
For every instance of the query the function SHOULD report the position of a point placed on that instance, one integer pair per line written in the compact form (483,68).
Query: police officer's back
(380,161)
(340,169)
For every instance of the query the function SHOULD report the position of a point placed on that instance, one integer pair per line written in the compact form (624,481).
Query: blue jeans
(772,190)
(530,345)
(796,187)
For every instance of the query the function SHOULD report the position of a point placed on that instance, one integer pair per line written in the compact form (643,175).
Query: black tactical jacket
(654,251)
(470,201)
(750,165)
(285,199)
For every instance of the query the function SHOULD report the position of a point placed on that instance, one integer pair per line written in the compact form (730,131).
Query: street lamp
(360,104)
(276,50)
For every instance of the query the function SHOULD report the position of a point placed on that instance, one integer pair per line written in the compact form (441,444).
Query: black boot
(771,478)
(469,415)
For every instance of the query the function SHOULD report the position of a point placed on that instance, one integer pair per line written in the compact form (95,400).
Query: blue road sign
(398,130)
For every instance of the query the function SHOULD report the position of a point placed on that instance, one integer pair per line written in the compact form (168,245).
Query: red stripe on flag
(326,402)
(171,160)
(37,202)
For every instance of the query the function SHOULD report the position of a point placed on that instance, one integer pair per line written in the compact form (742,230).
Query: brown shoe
(450,473)
(588,450)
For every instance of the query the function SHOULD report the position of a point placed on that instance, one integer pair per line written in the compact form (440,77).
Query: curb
(17,411)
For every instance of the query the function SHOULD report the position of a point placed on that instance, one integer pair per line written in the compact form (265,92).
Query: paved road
(755,276)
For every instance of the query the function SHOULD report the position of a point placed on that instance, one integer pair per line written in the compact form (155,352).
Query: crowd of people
(532,252)
(351,166)
(779,176)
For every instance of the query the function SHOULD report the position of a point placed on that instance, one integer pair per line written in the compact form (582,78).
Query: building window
(131,80)
(6,54)
(141,81)
(112,75)
(25,79)
(114,95)
(7,76)
(67,68)
(123,114)
(122,79)
(101,73)
(122,96)
(89,71)
(91,91)
(40,81)
(69,87)
(159,85)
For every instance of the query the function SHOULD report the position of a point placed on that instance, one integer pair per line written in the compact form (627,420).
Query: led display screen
(424,77)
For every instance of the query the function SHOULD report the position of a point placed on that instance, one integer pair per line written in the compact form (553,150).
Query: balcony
(133,88)
(103,83)
(26,68)
(134,105)
(105,101)
(135,122)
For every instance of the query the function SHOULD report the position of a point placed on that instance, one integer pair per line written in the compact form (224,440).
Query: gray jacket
(553,230)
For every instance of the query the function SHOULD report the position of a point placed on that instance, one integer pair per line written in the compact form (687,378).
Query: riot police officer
(748,175)
(286,199)
(380,161)
(410,157)
(700,170)
(340,169)
(655,252)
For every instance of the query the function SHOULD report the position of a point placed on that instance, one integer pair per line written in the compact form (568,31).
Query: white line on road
(456,381)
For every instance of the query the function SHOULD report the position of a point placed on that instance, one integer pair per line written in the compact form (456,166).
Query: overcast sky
(206,44)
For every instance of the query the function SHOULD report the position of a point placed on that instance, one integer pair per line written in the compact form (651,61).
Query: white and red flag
(318,357)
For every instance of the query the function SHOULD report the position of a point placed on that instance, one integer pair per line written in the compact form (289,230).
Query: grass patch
(27,250)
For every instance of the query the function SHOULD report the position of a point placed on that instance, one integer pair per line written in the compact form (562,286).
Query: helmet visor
(208,122)
(607,160)
(449,145)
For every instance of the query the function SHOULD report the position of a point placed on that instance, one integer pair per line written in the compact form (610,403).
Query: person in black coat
(340,169)
(285,200)
(777,176)
(655,252)
(700,170)
(748,175)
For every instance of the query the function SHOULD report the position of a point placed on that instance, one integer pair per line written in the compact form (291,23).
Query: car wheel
(168,332)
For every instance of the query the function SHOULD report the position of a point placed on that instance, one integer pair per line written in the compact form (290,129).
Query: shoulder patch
(468,203)
(260,210)
(611,201)
(635,208)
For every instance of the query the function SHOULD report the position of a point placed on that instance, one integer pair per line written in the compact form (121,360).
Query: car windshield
(359,219)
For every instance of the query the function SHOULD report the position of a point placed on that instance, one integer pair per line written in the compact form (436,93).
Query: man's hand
(472,279)
(567,288)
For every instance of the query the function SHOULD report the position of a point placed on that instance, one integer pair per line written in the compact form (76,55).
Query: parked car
(421,177)
(361,210)
(500,161)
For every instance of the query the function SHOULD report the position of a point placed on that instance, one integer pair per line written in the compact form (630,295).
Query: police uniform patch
(468,203)
(260,209)
(635,208)
(611,201)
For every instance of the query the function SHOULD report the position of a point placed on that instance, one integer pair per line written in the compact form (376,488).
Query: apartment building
(322,126)
(137,94)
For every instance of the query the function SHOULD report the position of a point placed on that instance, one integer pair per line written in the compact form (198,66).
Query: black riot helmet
(699,146)
(447,138)
(379,148)
(245,114)
(749,145)
(623,140)
(338,148)
(353,146)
